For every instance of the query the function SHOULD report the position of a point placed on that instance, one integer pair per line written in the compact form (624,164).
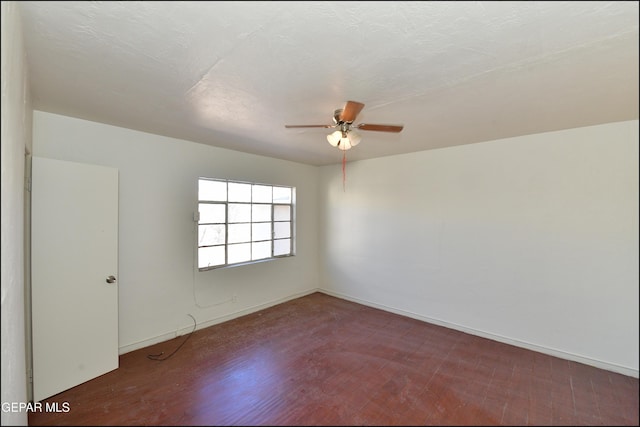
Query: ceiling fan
(345,136)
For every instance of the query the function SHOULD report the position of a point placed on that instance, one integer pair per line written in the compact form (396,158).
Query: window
(242,222)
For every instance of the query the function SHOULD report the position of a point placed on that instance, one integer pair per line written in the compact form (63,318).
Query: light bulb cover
(345,144)
(354,138)
(334,138)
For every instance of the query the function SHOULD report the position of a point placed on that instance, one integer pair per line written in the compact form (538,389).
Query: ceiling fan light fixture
(344,140)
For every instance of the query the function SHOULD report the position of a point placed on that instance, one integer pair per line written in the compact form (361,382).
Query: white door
(74,266)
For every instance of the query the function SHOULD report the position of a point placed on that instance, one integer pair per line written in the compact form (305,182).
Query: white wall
(158,282)
(16,138)
(530,240)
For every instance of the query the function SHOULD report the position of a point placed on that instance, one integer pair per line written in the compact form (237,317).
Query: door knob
(111,279)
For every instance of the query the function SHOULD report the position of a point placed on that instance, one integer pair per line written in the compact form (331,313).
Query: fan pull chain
(344,173)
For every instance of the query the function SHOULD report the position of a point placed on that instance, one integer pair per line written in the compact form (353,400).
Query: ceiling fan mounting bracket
(341,125)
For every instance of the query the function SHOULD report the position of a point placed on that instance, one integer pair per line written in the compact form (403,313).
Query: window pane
(209,235)
(239,233)
(211,213)
(282,213)
(261,231)
(261,194)
(212,190)
(282,247)
(211,256)
(281,195)
(239,253)
(239,212)
(281,229)
(261,250)
(261,213)
(239,192)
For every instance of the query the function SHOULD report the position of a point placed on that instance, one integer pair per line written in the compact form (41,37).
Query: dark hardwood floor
(320,360)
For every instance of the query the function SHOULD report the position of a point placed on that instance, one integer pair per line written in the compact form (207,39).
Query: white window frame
(281,239)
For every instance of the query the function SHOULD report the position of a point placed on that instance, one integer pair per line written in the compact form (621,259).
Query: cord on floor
(159,357)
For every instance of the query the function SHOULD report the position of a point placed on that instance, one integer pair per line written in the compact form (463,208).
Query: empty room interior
(320,213)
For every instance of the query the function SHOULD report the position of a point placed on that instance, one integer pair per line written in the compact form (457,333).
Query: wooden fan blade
(309,126)
(380,128)
(350,111)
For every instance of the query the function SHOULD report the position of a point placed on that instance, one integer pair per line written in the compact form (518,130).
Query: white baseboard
(545,350)
(173,334)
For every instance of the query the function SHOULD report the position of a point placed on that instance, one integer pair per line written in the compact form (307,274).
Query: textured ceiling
(232,74)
